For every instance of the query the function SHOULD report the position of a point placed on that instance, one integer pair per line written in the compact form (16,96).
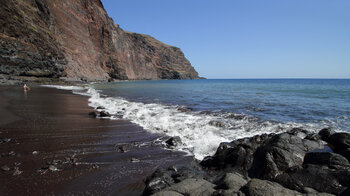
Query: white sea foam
(201,133)
(72,88)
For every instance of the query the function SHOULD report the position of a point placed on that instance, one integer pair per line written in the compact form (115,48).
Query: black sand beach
(56,148)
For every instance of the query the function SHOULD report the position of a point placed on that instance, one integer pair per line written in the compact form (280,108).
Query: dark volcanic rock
(346,153)
(5,168)
(217,123)
(290,163)
(326,158)
(93,114)
(317,177)
(164,178)
(257,187)
(184,109)
(264,156)
(104,114)
(238,154)
(340,141)
(167,193)
(280,153)
(159,180)
(233,181)
(193,187)
(76,40)
(325,134)
(173,141)
(346,192)
(100,108)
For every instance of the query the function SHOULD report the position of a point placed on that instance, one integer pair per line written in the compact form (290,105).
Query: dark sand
(55,123)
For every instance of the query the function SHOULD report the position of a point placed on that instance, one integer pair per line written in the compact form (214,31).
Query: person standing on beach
(26,88)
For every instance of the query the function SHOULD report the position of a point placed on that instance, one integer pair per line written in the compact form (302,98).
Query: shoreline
(57,147)
(61,150)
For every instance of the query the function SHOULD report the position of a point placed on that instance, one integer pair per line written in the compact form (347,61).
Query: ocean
(206,112)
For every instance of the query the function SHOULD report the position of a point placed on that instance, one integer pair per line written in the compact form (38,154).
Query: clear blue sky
(247,39)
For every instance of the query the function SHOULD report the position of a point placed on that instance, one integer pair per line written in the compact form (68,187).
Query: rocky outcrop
(296,162)
(76,40)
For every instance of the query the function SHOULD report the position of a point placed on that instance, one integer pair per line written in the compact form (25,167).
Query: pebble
(134,160)
(95,166)
(53,168)
(56,162)
(5,168)
(17,172)
(122,149)
(5,140)
(35,152)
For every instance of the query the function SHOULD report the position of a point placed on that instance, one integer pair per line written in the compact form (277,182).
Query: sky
(247,38)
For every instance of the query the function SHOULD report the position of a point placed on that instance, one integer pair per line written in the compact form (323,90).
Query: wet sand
(84,150)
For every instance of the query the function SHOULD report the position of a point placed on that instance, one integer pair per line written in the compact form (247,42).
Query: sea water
(206,112)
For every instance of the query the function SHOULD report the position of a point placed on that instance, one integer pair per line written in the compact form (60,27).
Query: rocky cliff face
(77,40)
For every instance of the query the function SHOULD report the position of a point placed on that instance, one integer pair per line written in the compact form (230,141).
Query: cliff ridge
(77,40)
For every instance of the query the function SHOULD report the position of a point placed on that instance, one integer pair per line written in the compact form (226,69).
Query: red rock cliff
(77,40)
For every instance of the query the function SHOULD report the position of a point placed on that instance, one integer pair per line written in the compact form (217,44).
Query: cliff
(76,40)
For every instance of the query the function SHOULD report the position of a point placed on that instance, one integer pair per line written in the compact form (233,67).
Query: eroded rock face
(77,40)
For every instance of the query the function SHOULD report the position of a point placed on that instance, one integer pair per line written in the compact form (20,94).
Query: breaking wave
(200,132)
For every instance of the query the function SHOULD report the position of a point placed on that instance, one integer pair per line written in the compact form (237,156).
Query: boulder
(302,133)
(326,133)
(180,173)
(238,154)
(326,158)
(321,178)
(291,163)
(163,178)
(93,114)
(313,136)
(167,193)
(193,187)
(340,141)
(309,190)
(345,153)
(216,123)
(281,152)
(229,192)
(257,187)
(174,141)
(184,109)
(104,114)
(159,180)
(346,192)
(234,181)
